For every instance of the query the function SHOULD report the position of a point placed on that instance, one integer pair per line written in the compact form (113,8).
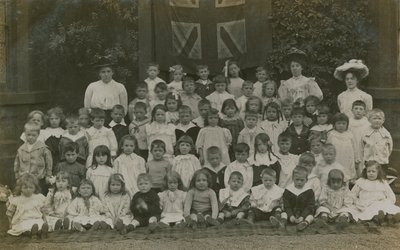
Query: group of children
(201,153)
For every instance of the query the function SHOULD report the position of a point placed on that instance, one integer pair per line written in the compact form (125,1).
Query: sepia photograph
(199,124)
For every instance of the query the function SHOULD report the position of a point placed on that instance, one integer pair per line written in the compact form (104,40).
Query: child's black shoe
(119,225)
(96,226)
(342,222)
(201,221)
(277,223)
(211,221)
(44,232)
(153,227)
(58,225)
(66,223)
(302,226)
(34,231)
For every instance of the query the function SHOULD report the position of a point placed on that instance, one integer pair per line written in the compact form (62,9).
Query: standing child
(55,118)
(57,201)
(204,108)
(129,164)
(34,157)
(100,171)
(142,95)
(250,131)
(307,161)
(299,200)
(287,108)
(116,204)
(352,73)
(358,124)
(235,202)
(316,148)
(329,162)
(373,196)
(247,89)
(185,163)
(323,125)
(231,121)
(117,123)
(269,93)
(218,97)
(377,141)
(262,77)
(145,204)
(345,145)
(273,124)
(172,102)
(287,160)
(254,104)
(152,79)
(176,74)
(137,128)
(84,118)
(86,211)
(215,168)
(172,200)
(242,165)
(159,129)
(201,204)
(75,170)
(24,210)
(35,117)
(263,158)
(235,82)
(213,135)
(161,92)
(266,200)
(204,86)
(100,135)
(335,200)
(299,133)
(158,167)
(189,96)
(185,125)
(310,105)
(74,134)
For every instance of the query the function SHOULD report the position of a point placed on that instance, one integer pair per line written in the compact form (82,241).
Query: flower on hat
(353,65)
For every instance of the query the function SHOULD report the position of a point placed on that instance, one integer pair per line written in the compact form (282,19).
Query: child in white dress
(173,102)
(117,204)
(218,97)
(176,74)
(262,77)
(86,211)
(100,170)
(99,135)
(323,125)
(273,124)
(153,70)
(373,197)
(250,131)
(186,163)
(24,211)
(213,135)
(36,117)
(269,93)
(172,200)
(235,82)
(346,146)
(57,201)
(129,164)
(329,162)
(159,129)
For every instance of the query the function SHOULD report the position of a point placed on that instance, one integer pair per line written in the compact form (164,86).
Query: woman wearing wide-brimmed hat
(352,73)
(298,87)
(106,92)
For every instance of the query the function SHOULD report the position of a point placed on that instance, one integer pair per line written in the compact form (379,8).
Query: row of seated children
(31,213)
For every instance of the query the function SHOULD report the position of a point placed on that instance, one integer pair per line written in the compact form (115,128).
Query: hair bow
(171,69)
(175,94)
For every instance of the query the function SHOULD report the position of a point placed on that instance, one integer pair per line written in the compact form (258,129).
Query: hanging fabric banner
(193,32)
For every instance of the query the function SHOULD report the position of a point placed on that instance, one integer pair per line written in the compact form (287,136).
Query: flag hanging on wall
(193,32)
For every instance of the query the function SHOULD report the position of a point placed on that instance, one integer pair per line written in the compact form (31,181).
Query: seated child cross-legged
(234,200)
(201,204)
(298,200)
(266,200)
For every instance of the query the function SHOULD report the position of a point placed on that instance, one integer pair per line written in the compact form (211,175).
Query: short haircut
(142,85)
(97,113)
(299,170)
(161,86)
(84,111)
(34,112)
(237,174)
(185,109)
(30,126)
(219,79)
(187,79)
(375,112)
(140,105)
(323,109)
(71,118)
(284,137)
(157,144)
(144,177)
(311,98)
(308,158)
(241,148)
(298,111)
(203,102)
(153,64)
(261,69)
(286,103)
(214,150)
(71,147)
(328,146)
(200,67)
(247,83)
(268,171)
(250,114)
(359,103)
(118,107)
(340,117)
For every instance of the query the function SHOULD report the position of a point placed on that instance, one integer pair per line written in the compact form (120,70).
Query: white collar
(216,170)
(113,123)
(297,191)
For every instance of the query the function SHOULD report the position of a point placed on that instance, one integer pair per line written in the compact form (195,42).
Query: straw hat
(353,65)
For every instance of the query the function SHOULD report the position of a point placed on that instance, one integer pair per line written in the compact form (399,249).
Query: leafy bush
(74,35)
(331,32)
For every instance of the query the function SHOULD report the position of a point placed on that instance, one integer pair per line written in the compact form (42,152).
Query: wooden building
(19,95)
